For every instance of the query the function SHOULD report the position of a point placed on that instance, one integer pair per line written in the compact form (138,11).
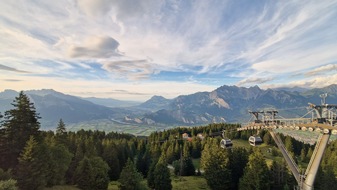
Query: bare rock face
(232,103)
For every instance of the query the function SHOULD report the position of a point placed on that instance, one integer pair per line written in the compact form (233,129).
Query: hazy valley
(225,104)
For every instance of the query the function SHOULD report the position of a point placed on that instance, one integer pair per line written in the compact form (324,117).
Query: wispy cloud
(322,70)
(12,80)
(253,81)
(135,69)
(94,8)
(6,68)
(317,82)
(298,41)
(130,40)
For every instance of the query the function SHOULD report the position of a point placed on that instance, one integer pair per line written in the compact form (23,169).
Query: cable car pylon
(325,122)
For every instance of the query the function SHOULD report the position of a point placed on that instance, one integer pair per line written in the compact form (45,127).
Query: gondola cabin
(255,140)
(226,143)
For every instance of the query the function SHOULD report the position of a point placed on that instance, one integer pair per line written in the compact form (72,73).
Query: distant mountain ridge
(293,89)
(52,106)
(232,103)
(224,104)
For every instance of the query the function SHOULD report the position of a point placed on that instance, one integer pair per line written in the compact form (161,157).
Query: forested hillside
(34,159)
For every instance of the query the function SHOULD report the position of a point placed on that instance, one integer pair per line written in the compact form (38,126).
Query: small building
(185,135)
(200,136)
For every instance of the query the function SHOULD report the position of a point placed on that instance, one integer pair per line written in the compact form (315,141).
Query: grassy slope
(189,182)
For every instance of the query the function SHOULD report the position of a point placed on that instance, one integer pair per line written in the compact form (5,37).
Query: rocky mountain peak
(155,103)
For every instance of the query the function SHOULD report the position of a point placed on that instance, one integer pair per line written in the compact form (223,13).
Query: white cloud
(135,69)
(95,7)
(250,81)
(96,47)
(322,69)
(313,82)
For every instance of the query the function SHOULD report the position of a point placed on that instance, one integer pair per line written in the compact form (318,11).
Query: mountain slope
(232,103)
(155,103)
(53,106)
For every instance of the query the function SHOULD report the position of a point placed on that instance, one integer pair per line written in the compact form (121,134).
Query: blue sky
(132,50)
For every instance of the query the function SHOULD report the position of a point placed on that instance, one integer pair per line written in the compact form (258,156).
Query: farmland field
(113,126)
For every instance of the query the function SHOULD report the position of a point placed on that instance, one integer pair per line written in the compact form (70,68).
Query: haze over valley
(229,104)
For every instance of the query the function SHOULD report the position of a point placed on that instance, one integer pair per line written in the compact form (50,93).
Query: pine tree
(58,164)
(256,175)
(151,174)
(170,153)
(279,175)
(303,155)
(238,159)
(89,147)
(215,162)
(83,176)
(177,150)
(196,148)
(122,154)
(100,173)
(143,163)
(110,156)
(184,167)
(130,178)
(188,168)
(162,178)
(31,170)
(61,128)
(186,149)
(267,139)
(19,124)
(61,133)
(326,179)
(92,173)
(79,155)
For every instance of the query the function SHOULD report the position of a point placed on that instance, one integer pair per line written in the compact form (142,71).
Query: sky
(134,49)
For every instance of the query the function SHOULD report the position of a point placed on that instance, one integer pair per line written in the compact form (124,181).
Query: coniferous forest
(34,159)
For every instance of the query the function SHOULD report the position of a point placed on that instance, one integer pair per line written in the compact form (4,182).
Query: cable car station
(323,121)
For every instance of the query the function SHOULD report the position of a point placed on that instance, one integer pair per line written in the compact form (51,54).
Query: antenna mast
(323,96)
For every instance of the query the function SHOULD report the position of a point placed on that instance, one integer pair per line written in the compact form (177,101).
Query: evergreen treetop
(19,124)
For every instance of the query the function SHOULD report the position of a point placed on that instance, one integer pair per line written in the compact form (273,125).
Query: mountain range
(224,104)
